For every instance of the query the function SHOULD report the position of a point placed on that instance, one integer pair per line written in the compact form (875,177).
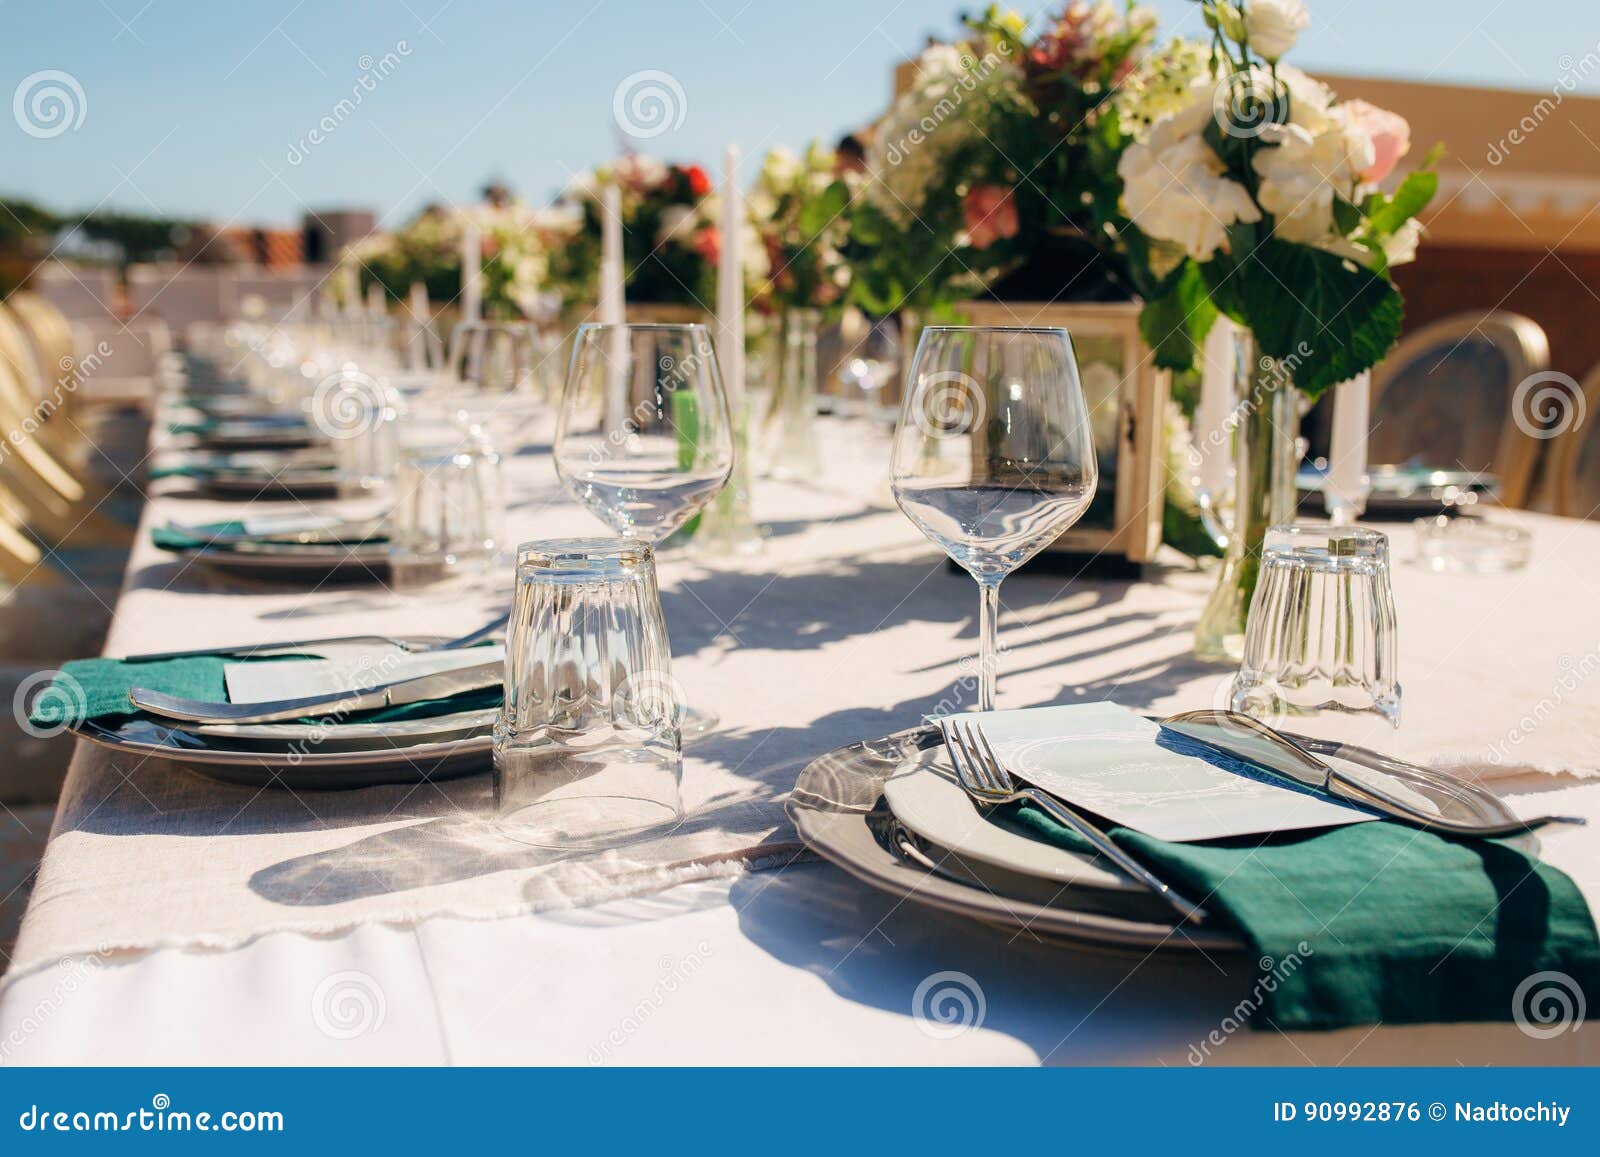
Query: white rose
(1175,190)
(1274,25)
(1309,98)
(677,224)
(1401,247)
(1301,174)
(781,167)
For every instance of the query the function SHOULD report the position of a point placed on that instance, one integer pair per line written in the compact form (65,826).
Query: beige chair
(1573,466)
(1444,398)
(42,462)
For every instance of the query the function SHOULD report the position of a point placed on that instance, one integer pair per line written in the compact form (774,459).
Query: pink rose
(991,215)
(1390,133)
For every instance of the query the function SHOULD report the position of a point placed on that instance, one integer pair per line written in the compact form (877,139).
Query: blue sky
(199,109)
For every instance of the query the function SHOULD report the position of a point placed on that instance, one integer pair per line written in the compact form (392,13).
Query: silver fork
(986,780)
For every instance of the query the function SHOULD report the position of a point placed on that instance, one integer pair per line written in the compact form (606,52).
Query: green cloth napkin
(190,538)
(1377,922)
(200,426)
(179,470)
(97,689)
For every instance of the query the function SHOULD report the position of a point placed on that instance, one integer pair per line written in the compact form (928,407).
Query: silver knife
(1247,738)
(440,685)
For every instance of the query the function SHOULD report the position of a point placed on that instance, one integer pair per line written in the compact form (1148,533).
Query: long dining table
(180,920)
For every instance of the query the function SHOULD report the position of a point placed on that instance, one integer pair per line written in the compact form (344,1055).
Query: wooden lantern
(1127,400)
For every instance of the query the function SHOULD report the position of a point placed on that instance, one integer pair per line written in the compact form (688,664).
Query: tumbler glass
(448,514)
(588,751)
(1321,631)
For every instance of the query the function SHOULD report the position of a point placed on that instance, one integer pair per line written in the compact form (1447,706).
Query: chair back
(1447,397)
(1574,462)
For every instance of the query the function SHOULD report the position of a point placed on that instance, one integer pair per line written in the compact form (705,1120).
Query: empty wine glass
(872,363)
(993,455)
(644,438)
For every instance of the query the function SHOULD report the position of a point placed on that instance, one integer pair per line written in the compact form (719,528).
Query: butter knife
(1248,739)
(440,685)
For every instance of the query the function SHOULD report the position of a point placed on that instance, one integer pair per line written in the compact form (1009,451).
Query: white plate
(930,803)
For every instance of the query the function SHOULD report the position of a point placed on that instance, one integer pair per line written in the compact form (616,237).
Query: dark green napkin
(97,689)
(1377,922)
(179,470)
(190,538)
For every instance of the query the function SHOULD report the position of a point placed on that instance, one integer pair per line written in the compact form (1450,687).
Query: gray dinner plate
(311,768)
(839,808)
(291,483)
(281,560)
(842,810)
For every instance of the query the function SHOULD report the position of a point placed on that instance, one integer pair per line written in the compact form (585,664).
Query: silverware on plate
(988,782)
(439,685)
(488,631)
(1247,738)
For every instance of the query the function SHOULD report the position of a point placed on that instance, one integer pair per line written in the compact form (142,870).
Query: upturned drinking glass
(1321,632)
(587,750)
(449,514)
(993,456)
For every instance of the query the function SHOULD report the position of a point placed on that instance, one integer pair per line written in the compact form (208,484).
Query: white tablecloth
(849,626)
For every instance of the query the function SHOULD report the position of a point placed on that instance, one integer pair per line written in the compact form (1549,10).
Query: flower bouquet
(995,169)
(797,214)
(517,245)
(1248,190)
(670,239)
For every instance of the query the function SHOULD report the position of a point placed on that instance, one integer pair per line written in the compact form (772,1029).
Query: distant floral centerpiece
(517,244)
(670,237)
(1248,189)
(995,161)
(797,211)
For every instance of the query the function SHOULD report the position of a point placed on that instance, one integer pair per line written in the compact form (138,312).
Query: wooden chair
(1445,398)
(1573,465)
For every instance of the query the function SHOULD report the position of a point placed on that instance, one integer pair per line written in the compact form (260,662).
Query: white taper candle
(471,272)
(1345,489)
(612,278)
(730,284)
(1217,395)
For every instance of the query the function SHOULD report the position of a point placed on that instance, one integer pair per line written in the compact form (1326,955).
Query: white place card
(1110,761)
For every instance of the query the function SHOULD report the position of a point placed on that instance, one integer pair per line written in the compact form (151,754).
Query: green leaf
(1325,317)
(1175,323)
(818,214)
(1409,199)
(1346,217)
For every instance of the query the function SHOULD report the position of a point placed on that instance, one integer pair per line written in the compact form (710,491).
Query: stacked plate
(312,547)
(323,754)
(891,813)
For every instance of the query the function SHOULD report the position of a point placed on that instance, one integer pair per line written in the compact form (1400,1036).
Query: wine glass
(872,363)
(644,439)
(993,455)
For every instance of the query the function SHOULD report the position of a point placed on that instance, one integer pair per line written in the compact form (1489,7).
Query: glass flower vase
(727,528)
(795,453)
(1266,432)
